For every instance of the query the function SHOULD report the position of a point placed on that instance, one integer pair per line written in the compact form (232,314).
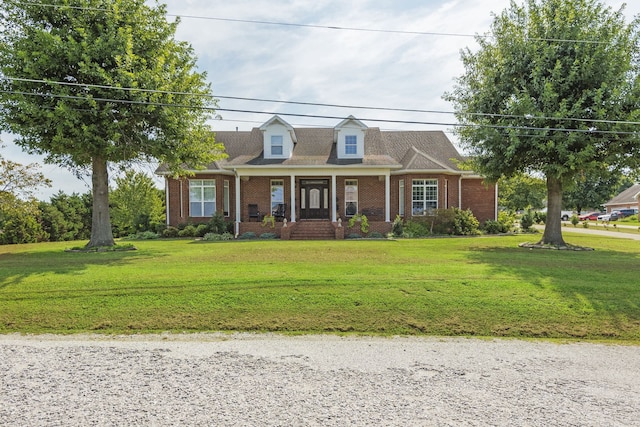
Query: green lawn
(450,286)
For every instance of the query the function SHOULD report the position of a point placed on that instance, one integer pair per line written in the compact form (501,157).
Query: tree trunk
(101,234)
(553,225)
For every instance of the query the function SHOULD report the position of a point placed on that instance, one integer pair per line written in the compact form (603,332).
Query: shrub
(575,220)
(364,222)
(464,223)
(217,224)
(249,235)
(170,232)
(201,230)
(268,236)
(416,228)
(210,237)
(539,217)
(526,221)
(397,227)
(227,236)
(375,235)
(491,226)
(142,235)
(354,236)
(188,231)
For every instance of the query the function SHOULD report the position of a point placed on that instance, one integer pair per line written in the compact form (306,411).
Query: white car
(604,217)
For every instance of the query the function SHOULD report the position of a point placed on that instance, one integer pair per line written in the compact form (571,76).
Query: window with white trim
(276,145)
(350,197)
(351,144)
(202,197)
(424,196)
(226,198)
(401,198)
(277,194)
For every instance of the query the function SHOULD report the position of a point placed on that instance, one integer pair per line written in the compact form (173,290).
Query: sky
(391,69)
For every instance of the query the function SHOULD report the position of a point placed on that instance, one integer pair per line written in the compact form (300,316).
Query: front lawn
(484,286)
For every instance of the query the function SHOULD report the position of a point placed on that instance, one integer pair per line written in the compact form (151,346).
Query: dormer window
(349,137)
(278,139)
(351,144)
(276,145)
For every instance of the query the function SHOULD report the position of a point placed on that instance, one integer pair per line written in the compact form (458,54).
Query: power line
(414,122)
(316,104)
(323,27)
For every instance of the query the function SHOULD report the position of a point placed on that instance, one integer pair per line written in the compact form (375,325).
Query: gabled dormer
(349,137)
(279,138)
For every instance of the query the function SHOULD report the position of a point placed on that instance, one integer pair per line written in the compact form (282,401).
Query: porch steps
(313,230)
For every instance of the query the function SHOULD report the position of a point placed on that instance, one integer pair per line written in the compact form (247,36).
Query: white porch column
(237,204)
(387,197)
(334,198)
(293,198)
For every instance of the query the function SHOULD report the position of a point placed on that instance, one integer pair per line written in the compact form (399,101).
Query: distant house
(313,180)
(628,199)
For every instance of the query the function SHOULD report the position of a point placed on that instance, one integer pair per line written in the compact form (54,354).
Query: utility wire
(415,122)
(317,26)
(315,104)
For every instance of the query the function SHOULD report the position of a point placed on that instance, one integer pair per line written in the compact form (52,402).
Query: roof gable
(630,195)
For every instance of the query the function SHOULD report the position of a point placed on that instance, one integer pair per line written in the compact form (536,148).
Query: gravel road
(271,380)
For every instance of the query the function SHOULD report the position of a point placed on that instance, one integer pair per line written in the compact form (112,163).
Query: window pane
(351,144)
(276,145)
(196,209)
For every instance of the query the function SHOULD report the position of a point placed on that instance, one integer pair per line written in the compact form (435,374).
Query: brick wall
(371,196)
(480,198)
(178,191)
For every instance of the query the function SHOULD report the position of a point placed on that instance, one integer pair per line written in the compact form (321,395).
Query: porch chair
(280,211)
(254,213)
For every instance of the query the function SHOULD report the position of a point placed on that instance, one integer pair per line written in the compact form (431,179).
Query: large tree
(89,83)
(552,88)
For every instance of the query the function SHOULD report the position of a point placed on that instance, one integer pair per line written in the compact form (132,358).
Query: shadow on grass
(17,267)
(603,283)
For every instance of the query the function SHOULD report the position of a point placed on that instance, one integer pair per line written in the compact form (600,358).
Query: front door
(314,199)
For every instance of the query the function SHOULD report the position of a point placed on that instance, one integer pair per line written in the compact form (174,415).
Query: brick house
(313,180)
(628,199)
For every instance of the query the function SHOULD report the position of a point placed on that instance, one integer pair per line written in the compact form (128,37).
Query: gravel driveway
(270,380)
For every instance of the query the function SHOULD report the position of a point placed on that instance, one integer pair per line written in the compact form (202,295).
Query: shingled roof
(425,151)
(628,196)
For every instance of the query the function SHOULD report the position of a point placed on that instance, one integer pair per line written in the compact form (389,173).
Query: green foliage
(375,235)
(213,237)
(362,219)
(136,204)
(170,232)
(72,90)
(268,236)
(504,224)
(591,190)
(188,231)
(521,192)
(19,220)
(201,230)
(249,235)
(67,217)
(353,236)
(464,223)
(539,217)
(575,220)
(269,221)
(142,235)
(217,224)
(20,180)
(397,226)
(532,98)
(526,221)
